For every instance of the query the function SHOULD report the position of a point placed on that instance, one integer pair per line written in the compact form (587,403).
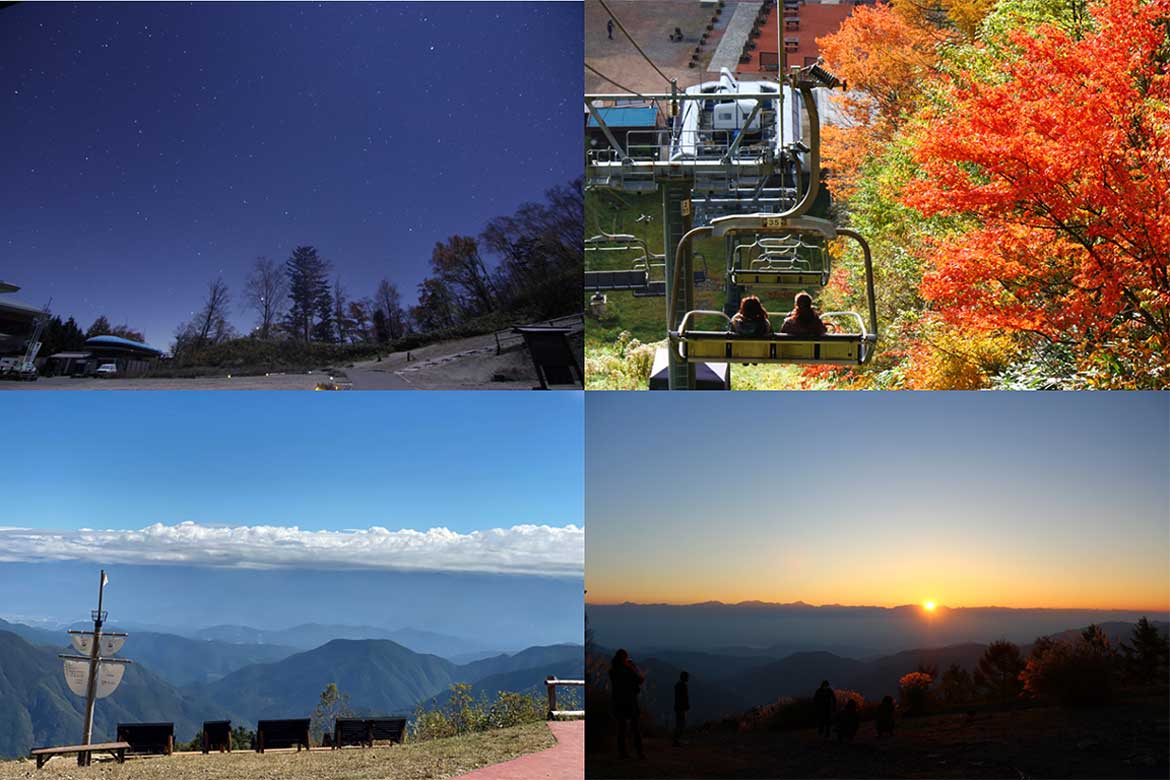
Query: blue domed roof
(118,341)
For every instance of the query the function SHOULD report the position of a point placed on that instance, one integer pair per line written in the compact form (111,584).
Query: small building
(643,121)
(133,358)
(17,321)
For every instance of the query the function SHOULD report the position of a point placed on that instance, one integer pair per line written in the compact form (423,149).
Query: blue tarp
(627,116)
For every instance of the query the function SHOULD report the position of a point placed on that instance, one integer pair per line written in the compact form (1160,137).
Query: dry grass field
(432,760)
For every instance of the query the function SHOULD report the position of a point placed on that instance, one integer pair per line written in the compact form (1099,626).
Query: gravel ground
(441,758)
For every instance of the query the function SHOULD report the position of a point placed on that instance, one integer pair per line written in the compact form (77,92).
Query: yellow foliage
(949,358)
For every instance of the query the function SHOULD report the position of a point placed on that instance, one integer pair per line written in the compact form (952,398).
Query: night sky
(149,147)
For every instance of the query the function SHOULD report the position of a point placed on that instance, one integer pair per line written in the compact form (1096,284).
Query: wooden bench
(387,729)
(116,749)
(286,733)
(366,731)
(148,738)
(217,735)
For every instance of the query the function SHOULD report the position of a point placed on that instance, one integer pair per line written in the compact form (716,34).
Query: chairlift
(851,342)
(780,263)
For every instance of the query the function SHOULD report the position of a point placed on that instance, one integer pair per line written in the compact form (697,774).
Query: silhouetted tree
(381,329)
(956,686)
(264,294)
(1147,656)
(437,307)
(100,327)
(341,314)
(308,293)
(389,301)
(209,325)
(459,266)
(998,673)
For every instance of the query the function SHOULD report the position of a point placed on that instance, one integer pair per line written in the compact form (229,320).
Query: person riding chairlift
(804,320)
(751,319)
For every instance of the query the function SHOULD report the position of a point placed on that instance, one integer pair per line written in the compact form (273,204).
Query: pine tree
(1147,654)
(308,291)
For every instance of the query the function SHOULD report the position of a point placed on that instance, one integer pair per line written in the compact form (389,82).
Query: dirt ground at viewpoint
(432,760)
(1122,741)
(465,364)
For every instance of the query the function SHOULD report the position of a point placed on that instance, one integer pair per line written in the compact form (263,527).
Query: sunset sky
(964,499)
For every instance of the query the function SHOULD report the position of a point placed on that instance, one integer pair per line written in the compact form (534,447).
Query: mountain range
(380,676)
(853,631)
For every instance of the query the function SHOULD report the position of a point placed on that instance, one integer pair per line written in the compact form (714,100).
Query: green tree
(333,705)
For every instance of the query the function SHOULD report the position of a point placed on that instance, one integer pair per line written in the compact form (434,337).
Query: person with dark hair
(609,29)
(751,319)
(682,703)
(825,704)
(884,717)
(625,683)
(847,722)
(804,320)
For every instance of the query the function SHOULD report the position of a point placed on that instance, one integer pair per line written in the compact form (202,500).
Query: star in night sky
(150,147)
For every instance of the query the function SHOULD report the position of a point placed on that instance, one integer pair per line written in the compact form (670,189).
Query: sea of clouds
(520,549)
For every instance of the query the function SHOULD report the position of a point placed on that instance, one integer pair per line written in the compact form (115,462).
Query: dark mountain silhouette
(848,630)
(37,707)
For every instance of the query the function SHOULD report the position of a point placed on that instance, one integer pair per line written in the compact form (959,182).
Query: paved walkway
(731,44)
(564,761)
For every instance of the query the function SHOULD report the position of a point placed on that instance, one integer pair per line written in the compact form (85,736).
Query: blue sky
(481,482)
(322,461)
(968,499)
(151,147)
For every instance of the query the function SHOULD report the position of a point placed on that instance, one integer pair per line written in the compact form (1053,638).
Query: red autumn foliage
(1060,163)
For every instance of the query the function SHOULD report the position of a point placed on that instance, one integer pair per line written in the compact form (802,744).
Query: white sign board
(109,645)
(77,677)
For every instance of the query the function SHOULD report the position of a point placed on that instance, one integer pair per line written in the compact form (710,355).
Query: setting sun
(928,606)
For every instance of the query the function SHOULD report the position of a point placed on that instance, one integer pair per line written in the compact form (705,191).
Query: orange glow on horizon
(928,606)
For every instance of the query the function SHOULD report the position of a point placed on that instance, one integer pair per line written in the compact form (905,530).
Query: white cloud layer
(521,549)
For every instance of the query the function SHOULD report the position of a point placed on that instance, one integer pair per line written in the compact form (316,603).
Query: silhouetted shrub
(914,689)
(1073,673)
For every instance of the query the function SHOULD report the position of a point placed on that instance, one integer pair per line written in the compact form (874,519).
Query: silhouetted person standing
(825,704)
(625,682)
(884,717)
(847,722)
(682,703)
(609,29)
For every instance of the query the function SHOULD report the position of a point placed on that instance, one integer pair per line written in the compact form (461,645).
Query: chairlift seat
(779,278)
(842,349)
(603,281)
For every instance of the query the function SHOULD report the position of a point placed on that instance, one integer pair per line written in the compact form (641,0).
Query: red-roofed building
(803,24)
